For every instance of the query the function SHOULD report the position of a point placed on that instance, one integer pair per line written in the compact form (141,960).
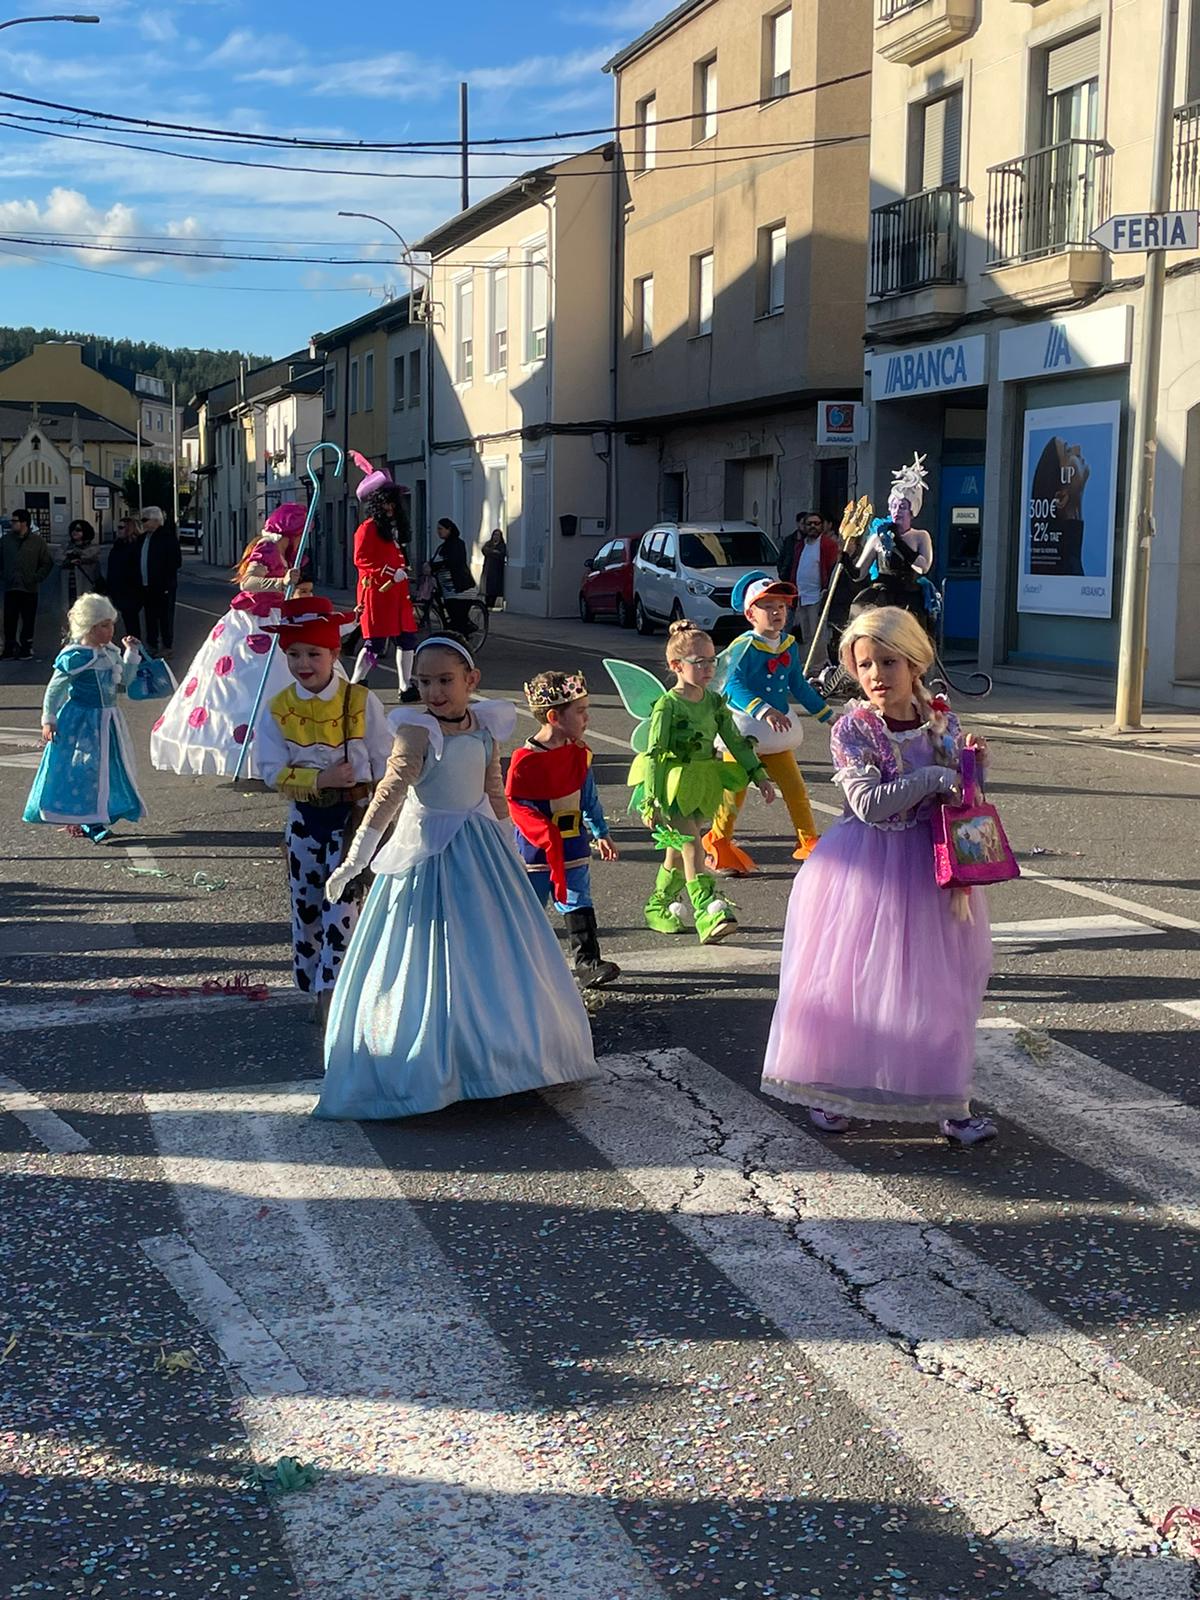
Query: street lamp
(14,21)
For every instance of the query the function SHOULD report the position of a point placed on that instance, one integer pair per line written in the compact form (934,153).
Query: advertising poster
(1069,510)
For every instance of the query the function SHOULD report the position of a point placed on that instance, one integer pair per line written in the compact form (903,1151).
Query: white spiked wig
(910,483)
(87,611)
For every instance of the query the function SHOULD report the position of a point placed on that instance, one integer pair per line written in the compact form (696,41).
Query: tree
(157,487)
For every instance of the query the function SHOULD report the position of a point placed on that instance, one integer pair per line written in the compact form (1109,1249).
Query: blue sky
(370,71)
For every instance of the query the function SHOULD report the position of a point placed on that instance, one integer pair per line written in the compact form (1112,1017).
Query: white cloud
(68,212)
(634,17)
(157,26)
(245,47)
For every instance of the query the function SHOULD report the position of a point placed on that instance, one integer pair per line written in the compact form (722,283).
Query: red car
(607,586)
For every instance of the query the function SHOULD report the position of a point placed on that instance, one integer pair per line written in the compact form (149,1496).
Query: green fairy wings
(640,692)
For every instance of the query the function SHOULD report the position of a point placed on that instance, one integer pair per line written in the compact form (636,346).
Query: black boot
(591,970)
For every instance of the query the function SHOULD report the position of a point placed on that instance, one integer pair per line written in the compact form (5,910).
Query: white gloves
(358,859)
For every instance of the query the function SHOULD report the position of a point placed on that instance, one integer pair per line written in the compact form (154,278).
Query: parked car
(606,589)
(190,534)
(688,569)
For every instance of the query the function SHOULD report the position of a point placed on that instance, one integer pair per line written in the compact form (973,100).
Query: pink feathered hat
(376,477)
(287,519)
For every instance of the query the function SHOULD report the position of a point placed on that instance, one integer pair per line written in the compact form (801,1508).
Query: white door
(755,492)
(465,514)
(535,524)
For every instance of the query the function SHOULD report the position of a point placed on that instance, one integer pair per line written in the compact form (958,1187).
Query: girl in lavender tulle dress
(883,973)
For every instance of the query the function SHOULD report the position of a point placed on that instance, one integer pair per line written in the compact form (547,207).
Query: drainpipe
(616,313)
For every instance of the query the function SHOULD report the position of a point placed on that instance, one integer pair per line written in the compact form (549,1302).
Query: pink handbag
(969,843)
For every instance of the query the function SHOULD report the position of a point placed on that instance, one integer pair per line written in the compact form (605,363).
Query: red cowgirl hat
(310,620)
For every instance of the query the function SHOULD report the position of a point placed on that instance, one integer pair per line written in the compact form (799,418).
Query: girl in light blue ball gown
(454,986)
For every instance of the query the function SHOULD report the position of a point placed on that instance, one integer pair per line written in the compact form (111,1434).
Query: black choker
(450,721)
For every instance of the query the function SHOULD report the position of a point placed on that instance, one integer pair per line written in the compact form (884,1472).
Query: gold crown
(549,691)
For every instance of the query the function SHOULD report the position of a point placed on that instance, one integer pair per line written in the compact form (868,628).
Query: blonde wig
(87,611)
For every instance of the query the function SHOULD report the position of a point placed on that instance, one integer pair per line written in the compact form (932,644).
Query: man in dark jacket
(161,561)
(27,563)
(124,575)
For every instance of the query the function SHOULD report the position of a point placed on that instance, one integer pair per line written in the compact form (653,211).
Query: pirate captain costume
(304,732)
(760,675)
(555,807)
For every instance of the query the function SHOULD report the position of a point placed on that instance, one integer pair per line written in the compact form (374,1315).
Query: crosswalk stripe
(1185,1008)
(1070,1473)
(438,1481)
(1094,1113)
(47,1127)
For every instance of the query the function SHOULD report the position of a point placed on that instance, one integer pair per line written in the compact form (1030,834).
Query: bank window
(331,388)
(646,134)
(704,101)
(643,315)
(354,386)
(414,377)
(537,302)
(772,269)
(497,319)
(937,143)
(369,381)
(701,318)
(464,330)
(777,54)
(397,383)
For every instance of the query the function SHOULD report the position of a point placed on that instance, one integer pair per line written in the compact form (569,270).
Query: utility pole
(465,194)
(139,454)
(174,458)
(1135,581)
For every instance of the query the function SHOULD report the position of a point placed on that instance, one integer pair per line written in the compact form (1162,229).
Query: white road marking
(1148,1140)
(47,1127)
(1068,930)
(1186,1008)
(140,856)
(243,1341)
(1076,736)
(1084,891)
(1068,1471)
(104,1009)
(404,1374)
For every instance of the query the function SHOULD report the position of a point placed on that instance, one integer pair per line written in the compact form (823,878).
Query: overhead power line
(286,141)
(9,120)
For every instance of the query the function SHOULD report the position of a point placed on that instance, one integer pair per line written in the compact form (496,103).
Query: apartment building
(358,412)
(520,386)
(1000,339)
(740,257)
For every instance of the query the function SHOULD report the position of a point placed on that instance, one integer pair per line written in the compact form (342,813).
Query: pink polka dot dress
(207,719)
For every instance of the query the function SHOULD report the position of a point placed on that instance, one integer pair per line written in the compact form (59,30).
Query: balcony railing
(914,241)
(1046,202)
(892,8)
(1187,158)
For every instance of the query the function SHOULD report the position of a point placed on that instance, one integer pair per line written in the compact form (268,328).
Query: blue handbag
(154,681)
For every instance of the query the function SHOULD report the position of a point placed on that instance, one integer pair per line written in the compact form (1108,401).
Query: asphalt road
(647,1338)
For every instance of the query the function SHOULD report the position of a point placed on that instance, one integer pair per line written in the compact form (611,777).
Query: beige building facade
(742,187)
(520,384)
(1003,342)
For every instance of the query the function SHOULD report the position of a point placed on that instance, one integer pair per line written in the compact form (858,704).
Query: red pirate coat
(382,585)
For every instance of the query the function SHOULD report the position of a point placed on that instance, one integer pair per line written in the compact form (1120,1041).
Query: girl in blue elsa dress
(87,777)
(454,986)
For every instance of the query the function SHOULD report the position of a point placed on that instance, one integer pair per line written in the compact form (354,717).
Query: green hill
(191,370)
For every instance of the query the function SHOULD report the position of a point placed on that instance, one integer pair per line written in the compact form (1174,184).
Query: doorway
(748,491)
(958,552)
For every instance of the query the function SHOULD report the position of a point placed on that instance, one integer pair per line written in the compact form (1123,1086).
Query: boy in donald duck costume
(760,674)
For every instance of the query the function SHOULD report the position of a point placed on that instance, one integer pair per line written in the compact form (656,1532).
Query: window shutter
(1076,61)
(941,152)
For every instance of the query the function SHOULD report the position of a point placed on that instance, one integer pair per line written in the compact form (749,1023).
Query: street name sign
(1149,230)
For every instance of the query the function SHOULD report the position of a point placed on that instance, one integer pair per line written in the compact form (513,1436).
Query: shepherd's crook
(301,550)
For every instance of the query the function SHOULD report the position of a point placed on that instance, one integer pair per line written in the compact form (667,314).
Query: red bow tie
(774,664)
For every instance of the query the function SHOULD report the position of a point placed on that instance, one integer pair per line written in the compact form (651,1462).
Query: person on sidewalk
(556,808)
(123,574)
(87,777)
(807,559)
(495,554)
(161,558)
(383,593)
(25,563)
(452,569)
(80,563)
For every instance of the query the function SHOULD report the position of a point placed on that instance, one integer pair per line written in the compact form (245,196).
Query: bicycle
(433,617)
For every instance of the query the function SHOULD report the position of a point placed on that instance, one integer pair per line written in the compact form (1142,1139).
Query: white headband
(442,643)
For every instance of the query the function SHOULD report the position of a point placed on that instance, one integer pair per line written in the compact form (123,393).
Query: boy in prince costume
(761,673)
(556,810)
